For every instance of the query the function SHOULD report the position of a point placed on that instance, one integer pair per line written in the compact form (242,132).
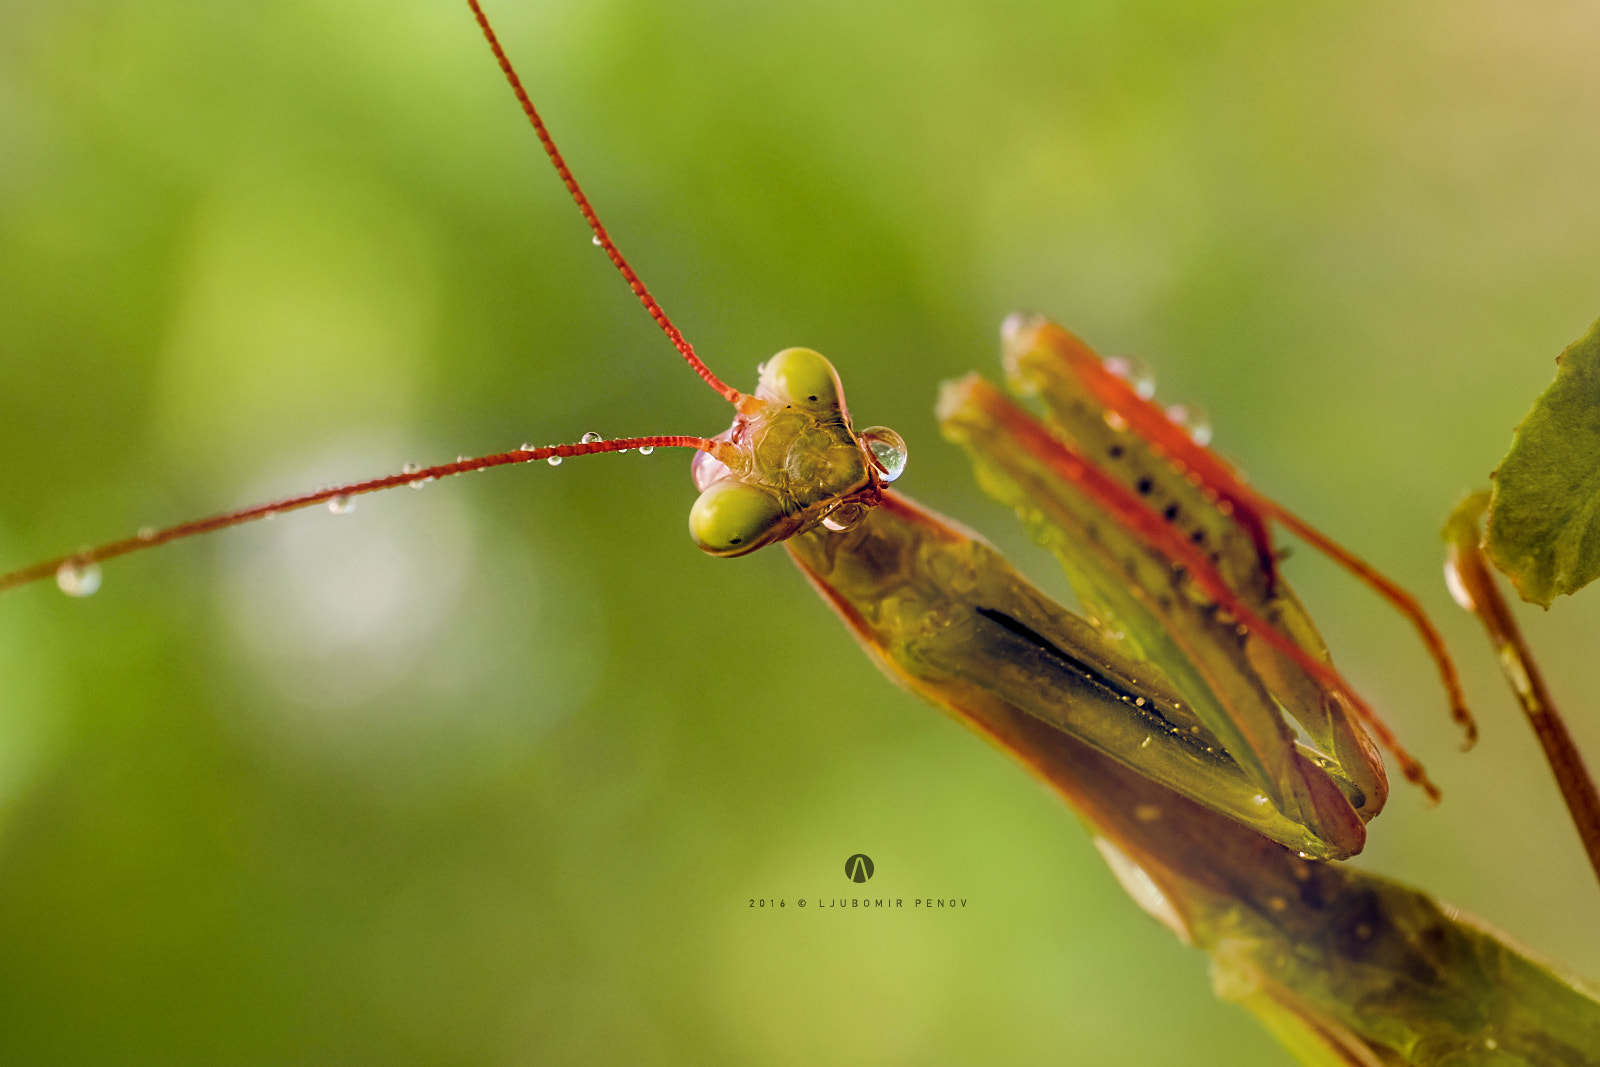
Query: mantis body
(587,788)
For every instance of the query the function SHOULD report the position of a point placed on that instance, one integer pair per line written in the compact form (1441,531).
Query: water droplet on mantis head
(888,451)
(591,438)
(1135,372)
(842,517)
(78,579)
(1193,419)
(341,504)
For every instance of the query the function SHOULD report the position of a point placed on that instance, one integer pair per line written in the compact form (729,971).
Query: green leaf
(1544,514)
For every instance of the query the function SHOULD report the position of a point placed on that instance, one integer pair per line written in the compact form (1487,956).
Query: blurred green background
(489,773)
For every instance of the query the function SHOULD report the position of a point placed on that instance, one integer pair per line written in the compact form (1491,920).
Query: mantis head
(791,461)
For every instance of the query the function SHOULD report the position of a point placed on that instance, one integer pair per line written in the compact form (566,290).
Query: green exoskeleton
(1194,722)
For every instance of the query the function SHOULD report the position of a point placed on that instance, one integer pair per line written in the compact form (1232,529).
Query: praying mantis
(239,740)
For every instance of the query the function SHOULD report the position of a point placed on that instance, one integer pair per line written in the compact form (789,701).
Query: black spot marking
(1171,513)
(1145,485)
(1198,537)
(1115,452)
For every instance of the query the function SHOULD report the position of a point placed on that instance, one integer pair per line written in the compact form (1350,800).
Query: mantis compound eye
(803,379)
(731,518)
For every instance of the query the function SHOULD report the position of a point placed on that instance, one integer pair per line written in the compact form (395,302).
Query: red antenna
(602,238)
(78,573)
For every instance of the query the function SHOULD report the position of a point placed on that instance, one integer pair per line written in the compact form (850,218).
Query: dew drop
(888,451)
(841,517)
(595,240)
(554,461)
(1194,421)
(409,468)
(147,533)
(526,447)
(591,438)
(1135,372)
(645,450)
(343,504)
(78,579)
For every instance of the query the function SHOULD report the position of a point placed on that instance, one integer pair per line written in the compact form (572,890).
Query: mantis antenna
(78,573)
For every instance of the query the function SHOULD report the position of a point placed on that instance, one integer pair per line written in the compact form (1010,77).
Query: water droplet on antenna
(645,450)
(595,240)
(147,533)
(591,438)
(343,504)
(554,461)
(78,579)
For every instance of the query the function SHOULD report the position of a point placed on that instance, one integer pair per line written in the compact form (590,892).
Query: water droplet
(645,450)
(1135,372)
(78,579)
(554,461)
(147,533)
(595,240)
(1194,421)
(841,516)
(591,438)
(526,447)
(343,504)
(888,451)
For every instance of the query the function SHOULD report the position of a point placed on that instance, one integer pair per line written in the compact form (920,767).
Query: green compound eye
(731,517)
(801,377)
